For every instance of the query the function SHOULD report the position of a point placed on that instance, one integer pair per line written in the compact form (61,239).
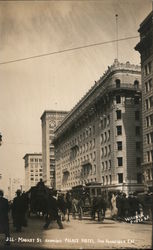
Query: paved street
(85,234)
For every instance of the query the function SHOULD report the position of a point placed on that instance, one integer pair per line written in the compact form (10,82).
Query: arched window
(136,83)
(118,83)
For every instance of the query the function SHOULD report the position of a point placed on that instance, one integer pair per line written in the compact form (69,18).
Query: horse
(99,207)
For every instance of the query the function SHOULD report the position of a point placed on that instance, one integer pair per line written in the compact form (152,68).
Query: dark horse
(65,205)
(99,207)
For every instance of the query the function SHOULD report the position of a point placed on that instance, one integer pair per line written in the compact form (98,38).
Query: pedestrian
(18,211)
(4,219)
(113,206)
(52,211)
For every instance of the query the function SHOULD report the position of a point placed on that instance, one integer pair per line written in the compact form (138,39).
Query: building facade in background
(33,169)
(145,47)
(100,139)
(49,121)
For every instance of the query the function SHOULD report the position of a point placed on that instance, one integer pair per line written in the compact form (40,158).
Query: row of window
(35,160)
(119,115)
(105,137)
(106,180)
(106,151)
(106,165)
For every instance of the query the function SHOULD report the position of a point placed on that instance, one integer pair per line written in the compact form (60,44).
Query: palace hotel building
(99,140)
(145,47)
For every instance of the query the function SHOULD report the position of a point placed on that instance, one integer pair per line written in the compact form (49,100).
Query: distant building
(100,139)
(14,184)
(49,120)
(33,169)
(145,47)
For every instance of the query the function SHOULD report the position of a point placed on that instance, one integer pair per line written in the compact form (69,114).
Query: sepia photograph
(76,124)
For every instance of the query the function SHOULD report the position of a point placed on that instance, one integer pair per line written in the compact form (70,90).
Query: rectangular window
(137,115)
(119,130)
(118,114)
(149,67)
(120,161)
(138,146)
(146,71)
(146,87)
(151,137)
(102,138)
(147,104)
(138,162)
(151,101)
(139,178)
(150,84)
(137,130)
(148,156)
(147,121)
(120,178)
(110,164)
(119,145)
(118,99)
(110,179)
(152,155)
(148,138)
(151,119)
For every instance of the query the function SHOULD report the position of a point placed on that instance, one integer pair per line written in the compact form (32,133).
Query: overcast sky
(27,88)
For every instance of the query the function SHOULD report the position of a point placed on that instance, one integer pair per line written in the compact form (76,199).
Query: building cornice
(53,112)
(98,89)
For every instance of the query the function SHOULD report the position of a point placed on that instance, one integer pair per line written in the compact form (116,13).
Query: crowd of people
(56,207)
(123,207)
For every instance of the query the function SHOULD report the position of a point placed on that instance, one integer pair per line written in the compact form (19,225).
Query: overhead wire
(67,50)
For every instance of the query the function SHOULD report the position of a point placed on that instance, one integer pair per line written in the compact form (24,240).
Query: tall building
(33,169)
(100,139)
(14,184)
(145,47)
(49,120)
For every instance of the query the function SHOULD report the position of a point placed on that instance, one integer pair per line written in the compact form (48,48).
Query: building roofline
(114,68)
(32,154)
(145,20)
(53,111)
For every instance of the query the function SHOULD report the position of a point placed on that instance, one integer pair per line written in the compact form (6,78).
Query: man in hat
(18,211)
(4,220)
(52,210)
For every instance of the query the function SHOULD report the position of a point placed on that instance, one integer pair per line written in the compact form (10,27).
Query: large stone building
(145,47)
(33,169)
(49,120)
(100,139)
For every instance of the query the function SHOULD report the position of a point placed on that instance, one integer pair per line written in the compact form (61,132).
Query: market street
(83,234)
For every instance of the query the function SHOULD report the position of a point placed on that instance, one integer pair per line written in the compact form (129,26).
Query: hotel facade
(49,120)
(99,141)
(145,47)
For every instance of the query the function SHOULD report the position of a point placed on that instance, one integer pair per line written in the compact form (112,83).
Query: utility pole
(116,36)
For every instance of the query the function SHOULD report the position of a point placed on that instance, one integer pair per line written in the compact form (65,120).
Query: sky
(57,81)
